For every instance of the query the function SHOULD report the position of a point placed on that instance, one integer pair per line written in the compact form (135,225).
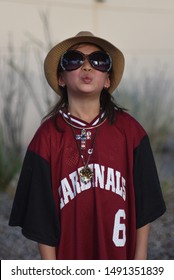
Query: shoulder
(44,136)
(45,129)
(130,127)
(49,126)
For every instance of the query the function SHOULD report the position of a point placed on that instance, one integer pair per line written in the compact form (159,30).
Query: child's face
(85,80)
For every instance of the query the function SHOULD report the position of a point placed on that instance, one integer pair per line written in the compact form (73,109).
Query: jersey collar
(76,122)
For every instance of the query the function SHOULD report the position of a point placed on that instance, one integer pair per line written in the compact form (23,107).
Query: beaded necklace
(85,173)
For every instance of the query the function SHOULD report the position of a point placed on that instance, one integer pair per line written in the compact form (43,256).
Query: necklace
(85,173)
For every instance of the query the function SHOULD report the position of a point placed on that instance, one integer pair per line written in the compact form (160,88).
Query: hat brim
(53,57)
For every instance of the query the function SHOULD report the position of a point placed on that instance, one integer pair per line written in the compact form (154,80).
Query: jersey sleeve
(148,195)
(34,208)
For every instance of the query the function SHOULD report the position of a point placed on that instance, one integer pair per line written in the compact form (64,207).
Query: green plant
(150,100)
(10,163)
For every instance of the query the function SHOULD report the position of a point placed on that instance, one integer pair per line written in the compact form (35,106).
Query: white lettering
(75,183)
(62,204)
(66,190)
(110,185)
(104,178)
(118,187)
(99,175)
(123,188)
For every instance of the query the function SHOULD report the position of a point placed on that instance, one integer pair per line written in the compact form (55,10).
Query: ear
(61,81)
(107,82)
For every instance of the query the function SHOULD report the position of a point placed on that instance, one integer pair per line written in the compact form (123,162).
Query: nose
(86,65)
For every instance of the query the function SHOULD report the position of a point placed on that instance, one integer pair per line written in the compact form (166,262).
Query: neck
(85,111)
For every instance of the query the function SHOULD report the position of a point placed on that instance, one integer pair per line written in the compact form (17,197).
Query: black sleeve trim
(33,207)
(148,195)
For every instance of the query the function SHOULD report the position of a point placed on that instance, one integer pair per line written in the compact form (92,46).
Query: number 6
(119,232)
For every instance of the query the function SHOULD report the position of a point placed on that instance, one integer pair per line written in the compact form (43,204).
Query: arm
(142,243)
(47,252)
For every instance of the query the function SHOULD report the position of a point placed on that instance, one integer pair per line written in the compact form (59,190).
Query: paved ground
(161,243)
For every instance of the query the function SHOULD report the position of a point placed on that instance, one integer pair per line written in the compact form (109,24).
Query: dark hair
(107,104)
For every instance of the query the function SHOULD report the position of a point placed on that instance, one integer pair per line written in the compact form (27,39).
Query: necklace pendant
(86,174)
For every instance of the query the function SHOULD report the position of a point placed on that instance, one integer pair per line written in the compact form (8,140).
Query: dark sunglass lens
(101,61)
(71,60)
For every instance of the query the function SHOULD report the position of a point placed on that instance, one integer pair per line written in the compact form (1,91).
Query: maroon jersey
(97,219)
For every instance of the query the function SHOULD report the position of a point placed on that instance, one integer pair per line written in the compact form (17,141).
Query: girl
(88,187)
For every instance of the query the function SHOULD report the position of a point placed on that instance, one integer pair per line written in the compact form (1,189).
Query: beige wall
(142,29)
(136,25)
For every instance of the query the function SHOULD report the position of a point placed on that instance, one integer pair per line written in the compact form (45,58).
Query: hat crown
(84,33)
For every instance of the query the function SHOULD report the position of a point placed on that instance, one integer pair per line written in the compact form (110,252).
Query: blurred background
(143,30)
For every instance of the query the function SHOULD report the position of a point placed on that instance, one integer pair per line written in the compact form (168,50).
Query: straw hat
(53,57)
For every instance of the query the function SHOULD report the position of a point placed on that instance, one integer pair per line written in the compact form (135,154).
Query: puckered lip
(87,79)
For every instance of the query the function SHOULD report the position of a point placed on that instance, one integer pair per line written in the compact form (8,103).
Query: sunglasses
(73,59)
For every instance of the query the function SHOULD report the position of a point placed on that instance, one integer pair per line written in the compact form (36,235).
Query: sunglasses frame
(85,56)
